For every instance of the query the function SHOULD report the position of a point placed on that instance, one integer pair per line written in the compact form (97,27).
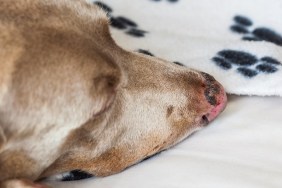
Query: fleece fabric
(239,42)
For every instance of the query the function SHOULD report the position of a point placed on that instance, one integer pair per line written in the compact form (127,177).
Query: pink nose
(219,107)
(215,96)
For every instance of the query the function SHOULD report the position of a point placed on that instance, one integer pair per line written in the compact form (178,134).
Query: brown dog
(70,98)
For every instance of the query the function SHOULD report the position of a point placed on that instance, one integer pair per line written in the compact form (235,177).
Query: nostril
(205,119)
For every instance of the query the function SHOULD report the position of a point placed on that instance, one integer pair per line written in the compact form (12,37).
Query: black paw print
(122,23)
(242,26)
(147,52)
(76,175)
(171,1)
(247,64)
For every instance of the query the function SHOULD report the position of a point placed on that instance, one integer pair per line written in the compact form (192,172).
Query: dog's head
(73,99)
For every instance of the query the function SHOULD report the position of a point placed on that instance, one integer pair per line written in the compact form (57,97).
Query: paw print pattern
(147,52)
(105,7)
(76,175)
(246,64)
(122,23)
(242,26)
(171,1)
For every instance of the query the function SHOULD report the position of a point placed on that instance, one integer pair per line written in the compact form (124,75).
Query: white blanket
(239,42)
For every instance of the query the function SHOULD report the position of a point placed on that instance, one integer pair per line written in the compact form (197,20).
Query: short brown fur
(70,98)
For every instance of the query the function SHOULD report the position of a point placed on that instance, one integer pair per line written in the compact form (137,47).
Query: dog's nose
(215,96)
(211,90)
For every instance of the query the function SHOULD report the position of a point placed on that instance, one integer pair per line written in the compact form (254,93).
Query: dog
(72,99)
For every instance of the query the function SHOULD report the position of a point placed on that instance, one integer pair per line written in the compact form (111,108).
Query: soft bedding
(239,42)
